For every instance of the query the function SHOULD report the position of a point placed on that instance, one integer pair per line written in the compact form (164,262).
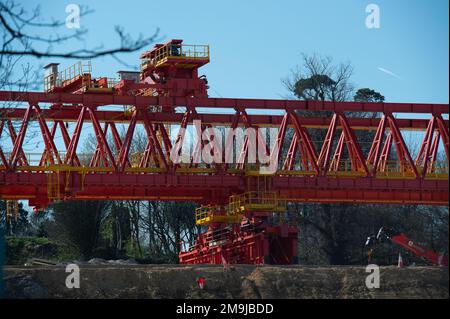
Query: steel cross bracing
(339,169)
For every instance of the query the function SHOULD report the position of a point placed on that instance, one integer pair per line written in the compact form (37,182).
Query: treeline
(152,231)
(146,231)
(336,234)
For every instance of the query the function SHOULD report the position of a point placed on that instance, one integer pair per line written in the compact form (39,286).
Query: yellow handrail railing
(182,51)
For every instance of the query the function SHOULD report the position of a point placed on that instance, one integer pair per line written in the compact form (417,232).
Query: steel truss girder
(70,114)
(211,188)
(293,105)
(319,164)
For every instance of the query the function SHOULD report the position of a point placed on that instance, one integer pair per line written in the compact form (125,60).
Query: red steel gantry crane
(242,206)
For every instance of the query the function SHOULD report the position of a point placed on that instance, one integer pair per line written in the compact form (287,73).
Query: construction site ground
(239,281)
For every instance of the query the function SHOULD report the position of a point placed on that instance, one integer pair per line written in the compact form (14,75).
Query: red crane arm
(420,251)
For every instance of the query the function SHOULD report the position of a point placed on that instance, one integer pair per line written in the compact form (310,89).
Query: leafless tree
(22,32)
(25,34)
(323,227)
(319,78)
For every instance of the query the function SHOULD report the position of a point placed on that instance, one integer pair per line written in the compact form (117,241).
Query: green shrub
(20,249)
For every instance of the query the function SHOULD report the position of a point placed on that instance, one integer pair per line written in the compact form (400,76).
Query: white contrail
(388,72)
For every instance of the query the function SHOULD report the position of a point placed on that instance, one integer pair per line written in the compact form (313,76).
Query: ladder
(12,210)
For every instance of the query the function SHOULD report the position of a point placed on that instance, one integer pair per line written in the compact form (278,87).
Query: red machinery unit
(244,232)
(400,239)
(172,68)
(276,245)
(243,208)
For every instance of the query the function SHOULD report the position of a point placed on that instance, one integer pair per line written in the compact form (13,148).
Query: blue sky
(255,43)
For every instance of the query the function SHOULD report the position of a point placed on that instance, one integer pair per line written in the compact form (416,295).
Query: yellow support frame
(205,215)
(257,202)
(187,51)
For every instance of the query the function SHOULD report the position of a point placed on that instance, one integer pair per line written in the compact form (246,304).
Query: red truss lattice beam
(70,114)
(105,99)
(337,170)
(217,188)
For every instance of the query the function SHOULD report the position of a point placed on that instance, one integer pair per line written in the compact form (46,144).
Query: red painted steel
(388,131)
(335,170)
(269,245)
(428,254)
